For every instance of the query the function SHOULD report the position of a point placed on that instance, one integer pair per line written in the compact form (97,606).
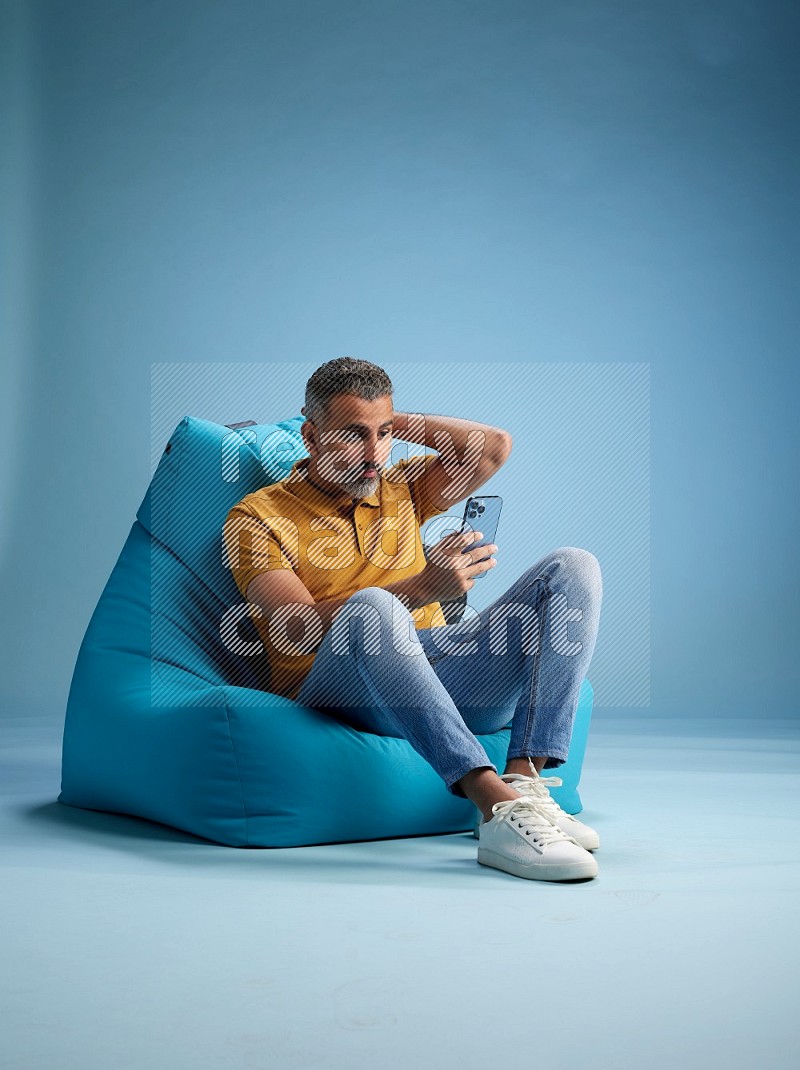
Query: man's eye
(386,434)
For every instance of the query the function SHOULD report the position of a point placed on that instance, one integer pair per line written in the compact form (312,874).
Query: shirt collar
(298,482)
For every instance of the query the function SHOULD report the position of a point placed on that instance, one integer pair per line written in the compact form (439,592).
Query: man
(338,541)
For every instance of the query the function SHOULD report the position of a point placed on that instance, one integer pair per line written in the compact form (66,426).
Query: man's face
(351,442)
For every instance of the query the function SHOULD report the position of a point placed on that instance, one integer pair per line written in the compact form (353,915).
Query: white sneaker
(536,786)
(522,840)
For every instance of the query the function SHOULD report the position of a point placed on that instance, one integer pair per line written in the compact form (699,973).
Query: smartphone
(482,514)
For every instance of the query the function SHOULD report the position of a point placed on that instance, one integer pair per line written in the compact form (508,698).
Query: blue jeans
(520,661)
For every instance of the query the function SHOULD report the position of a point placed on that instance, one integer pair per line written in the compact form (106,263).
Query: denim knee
(582,563)
(384,617)
(578,563)
(379,599)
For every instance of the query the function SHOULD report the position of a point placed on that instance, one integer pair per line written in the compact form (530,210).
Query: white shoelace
(527,814)
(537,788)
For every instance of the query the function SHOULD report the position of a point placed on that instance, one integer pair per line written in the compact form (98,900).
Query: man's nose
(370,451)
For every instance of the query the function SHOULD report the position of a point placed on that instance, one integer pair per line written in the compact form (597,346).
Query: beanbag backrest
(205,469)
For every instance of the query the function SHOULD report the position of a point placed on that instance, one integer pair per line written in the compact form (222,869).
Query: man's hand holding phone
(453,566)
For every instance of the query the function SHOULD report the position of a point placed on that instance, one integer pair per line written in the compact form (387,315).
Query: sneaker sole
(573,871)
(587,845)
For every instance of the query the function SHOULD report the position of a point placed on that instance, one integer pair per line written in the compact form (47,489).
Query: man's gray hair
(345,375)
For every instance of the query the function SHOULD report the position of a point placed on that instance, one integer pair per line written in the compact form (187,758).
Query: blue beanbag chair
(170,716)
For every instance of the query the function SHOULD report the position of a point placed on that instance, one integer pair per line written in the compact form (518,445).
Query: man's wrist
(399,424)
(415,591)
(409,426)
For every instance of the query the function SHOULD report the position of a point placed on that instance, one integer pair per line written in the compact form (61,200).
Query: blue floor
(130,945)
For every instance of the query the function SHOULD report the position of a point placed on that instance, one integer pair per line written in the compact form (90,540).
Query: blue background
(421,184)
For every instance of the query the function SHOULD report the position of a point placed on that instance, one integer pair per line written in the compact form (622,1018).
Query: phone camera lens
(481,508)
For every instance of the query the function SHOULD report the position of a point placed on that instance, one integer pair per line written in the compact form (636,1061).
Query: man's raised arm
(469,453)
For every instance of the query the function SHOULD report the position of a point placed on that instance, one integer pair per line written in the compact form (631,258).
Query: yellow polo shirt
(335,546)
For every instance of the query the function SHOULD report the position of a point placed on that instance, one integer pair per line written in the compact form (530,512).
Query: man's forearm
(437,432)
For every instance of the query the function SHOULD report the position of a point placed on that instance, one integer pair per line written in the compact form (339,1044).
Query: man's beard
(362,487)
(351,480)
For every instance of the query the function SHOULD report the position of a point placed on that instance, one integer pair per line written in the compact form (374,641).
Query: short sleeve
(412,470)
(250,547)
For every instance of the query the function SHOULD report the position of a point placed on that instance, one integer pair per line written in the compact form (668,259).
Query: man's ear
(309,433)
